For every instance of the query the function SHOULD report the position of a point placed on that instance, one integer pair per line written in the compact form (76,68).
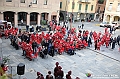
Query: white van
(116,24)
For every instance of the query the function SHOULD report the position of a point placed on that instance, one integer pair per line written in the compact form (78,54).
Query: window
(86,7)
(34,2)
(110,6)
(73,5)
(100,1)
(60,4)
(118,8)
(22,1)
(91,7)
(80,6)
(8,0)
(45,2)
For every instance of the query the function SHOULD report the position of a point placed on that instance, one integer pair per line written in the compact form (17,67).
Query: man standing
(34,45)
(21,22)
(118,39)
(82,26)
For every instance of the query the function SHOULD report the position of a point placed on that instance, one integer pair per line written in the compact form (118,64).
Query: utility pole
(66,9)
(72,14)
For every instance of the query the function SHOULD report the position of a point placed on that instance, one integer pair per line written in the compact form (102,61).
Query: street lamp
(73,3)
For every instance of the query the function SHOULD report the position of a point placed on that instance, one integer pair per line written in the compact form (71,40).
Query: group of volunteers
(61,40)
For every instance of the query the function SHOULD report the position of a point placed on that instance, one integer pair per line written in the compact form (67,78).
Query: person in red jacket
(49,76)
(6,34)
(39,76)
(98,45)
(107,40)
(60,73)
(56,69)
(106,30)
(68,76)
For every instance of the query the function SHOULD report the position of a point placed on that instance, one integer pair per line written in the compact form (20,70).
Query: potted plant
(5,59)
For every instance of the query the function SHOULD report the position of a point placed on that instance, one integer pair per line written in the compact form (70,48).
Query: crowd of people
(61,40)
(58,74)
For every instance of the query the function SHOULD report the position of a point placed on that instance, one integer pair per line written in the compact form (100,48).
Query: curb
(104,55)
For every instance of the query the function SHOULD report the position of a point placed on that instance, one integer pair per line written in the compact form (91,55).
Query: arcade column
(1,16)
(111,18)
(28,19)
(58,16)
(49,17)
(16,19)
(105,18)
(38,19)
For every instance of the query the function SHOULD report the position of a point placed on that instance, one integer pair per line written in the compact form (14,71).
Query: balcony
(84,1)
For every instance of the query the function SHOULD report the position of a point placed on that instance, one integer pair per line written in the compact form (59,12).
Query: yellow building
(112,11)
(30,11)
(79,9)
(100,9)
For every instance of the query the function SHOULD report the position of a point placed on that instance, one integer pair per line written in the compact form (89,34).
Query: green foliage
(5,59)
(43,22)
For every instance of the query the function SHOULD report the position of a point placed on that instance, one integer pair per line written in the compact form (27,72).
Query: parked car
(115,24)
(103,24)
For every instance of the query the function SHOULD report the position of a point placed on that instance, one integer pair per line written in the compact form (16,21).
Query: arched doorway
(116,18)
(108,18)
(44,18)
(33,18)
(71,18)
(91,17)
(9,16)
(61,16)
(22,16)
(97,17)
(81,16)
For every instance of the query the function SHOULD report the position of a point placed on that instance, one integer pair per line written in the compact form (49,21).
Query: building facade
(63,10)
(100,9)
(79,9)
(112,11)
(32,12)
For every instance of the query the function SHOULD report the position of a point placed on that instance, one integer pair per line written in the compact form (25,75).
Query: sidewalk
(108,52)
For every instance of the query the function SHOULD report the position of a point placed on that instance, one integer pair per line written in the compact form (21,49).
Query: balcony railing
(84,1)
